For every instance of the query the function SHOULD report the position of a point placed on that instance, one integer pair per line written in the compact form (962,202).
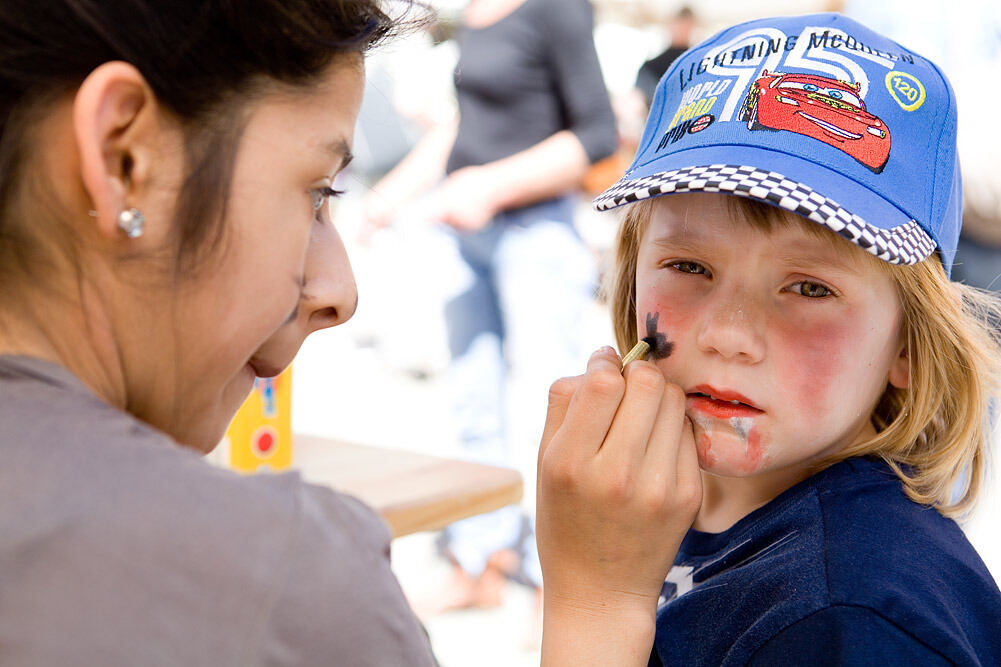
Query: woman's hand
(619,486)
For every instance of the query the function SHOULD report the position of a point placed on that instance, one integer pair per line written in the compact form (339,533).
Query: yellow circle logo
(906,90)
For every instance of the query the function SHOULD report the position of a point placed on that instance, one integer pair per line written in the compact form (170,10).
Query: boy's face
(783,340)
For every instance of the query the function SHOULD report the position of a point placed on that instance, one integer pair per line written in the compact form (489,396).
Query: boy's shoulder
(872,529)
(844,558)
(903,561)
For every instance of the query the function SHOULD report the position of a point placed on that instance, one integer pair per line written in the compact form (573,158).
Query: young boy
(764,489)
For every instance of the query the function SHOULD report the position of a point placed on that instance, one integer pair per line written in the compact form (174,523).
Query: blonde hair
(934,434)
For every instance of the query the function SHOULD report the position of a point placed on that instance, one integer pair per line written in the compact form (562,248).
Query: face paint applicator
(639,351)
(654,343)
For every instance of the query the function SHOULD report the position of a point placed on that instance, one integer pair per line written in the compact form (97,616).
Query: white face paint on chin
(741,426)
(737,450)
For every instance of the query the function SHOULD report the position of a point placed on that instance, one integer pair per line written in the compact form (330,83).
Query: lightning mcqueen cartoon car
(818,107)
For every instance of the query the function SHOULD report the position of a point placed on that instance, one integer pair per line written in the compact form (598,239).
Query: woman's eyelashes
(320,198)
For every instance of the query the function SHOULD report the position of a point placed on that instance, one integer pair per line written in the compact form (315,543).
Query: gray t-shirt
(119,547)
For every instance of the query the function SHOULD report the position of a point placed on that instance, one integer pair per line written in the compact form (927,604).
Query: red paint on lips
(719,403)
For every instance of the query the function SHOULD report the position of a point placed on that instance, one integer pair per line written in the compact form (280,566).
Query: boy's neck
(727,500)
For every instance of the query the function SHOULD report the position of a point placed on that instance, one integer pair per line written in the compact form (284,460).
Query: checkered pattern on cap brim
(904,244)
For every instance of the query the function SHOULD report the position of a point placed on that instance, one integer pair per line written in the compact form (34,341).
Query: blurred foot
(466,592)
(507,561)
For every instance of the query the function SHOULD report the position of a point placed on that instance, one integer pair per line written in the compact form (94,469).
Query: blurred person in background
(632,105)
(681,27)
(533,115)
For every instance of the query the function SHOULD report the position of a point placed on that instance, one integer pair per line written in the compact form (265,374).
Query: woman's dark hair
(201,58)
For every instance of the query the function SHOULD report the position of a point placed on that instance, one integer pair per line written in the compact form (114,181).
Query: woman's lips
(721,403)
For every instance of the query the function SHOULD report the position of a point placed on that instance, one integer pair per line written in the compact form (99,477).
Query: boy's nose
(733,327)
(329,294)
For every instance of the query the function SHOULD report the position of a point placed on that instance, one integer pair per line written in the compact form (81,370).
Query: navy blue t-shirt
(841,569)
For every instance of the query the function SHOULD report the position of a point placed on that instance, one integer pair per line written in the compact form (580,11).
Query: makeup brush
(639,351)
(654,343)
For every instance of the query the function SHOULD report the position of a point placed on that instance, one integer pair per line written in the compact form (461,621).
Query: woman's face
(281,271)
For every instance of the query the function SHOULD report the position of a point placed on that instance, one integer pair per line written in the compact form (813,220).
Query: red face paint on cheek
(812,359)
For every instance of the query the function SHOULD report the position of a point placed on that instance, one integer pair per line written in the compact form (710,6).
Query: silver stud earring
(131,222)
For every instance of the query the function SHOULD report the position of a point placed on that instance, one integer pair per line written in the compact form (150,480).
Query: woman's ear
(900,368)
(113,123)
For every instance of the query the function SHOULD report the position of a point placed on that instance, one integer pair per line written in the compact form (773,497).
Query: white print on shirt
(682,577)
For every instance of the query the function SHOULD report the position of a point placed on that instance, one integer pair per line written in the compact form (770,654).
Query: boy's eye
(812,290)
(689,267)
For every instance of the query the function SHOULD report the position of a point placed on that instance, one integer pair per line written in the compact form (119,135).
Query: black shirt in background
(527,76)
(651,72)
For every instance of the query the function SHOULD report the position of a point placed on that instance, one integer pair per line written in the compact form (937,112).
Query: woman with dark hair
(164,239)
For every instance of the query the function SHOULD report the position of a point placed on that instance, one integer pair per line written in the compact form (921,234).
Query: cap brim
(818,193)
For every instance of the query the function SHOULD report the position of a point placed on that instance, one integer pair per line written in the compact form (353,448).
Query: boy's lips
(721,403)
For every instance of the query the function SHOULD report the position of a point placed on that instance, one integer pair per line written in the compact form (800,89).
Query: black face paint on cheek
(660,346)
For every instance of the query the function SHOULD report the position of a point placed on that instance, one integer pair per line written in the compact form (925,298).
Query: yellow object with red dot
(260,435)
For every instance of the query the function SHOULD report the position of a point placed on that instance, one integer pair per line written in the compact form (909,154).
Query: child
(831,387)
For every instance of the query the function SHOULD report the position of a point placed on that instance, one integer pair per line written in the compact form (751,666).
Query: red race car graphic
(818,107)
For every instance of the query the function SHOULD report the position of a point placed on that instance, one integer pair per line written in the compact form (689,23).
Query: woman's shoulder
(55,434)
(103,515)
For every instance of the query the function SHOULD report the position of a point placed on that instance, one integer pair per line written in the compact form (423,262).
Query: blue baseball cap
(815,114)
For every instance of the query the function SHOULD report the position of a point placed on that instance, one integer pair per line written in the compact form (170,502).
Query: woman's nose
(733,326)
(329,294)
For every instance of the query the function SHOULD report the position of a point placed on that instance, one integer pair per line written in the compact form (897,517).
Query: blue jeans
(512,332)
